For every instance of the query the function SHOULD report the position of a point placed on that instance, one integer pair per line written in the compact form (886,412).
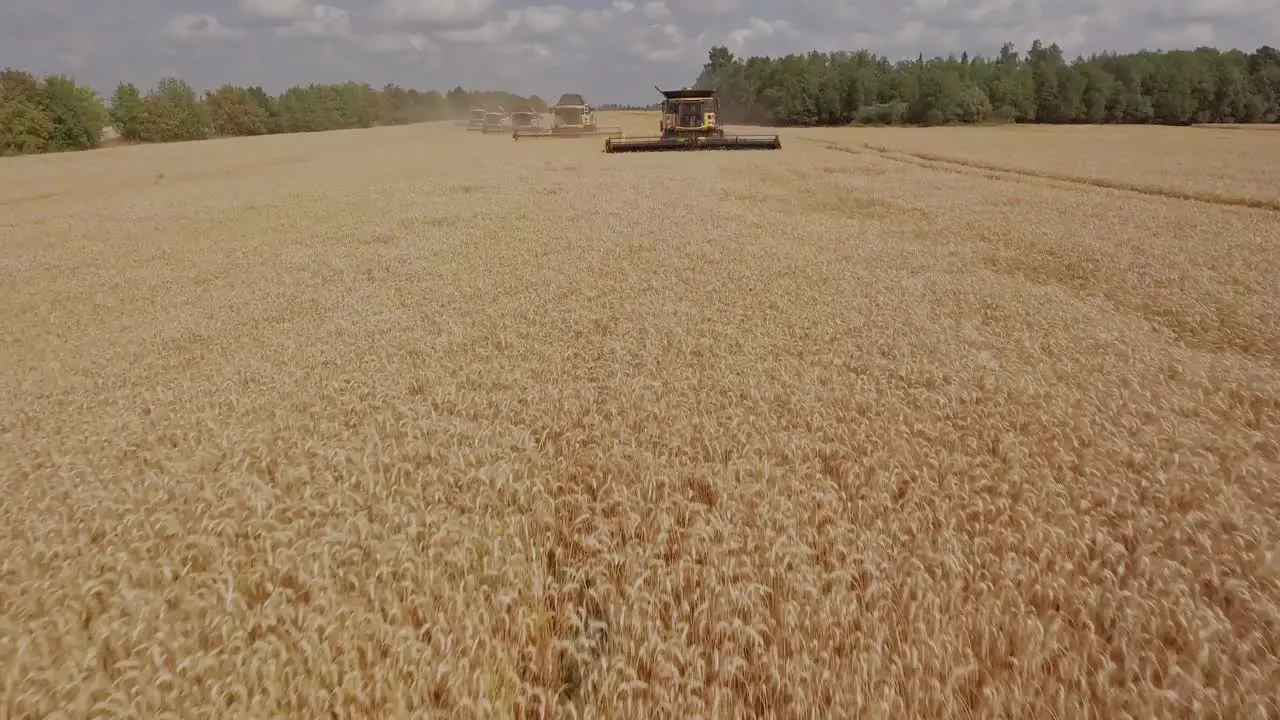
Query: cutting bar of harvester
(664,144)
(567,133)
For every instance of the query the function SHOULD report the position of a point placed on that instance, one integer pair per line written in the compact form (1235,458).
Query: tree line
(56,113)
(1176,87)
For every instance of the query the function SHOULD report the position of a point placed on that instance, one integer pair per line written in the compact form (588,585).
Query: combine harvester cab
(475,120)
(690,121)
(571,117)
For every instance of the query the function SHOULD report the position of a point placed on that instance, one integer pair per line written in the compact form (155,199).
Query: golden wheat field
(411,422)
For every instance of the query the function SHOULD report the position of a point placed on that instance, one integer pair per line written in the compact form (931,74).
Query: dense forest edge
(1176,87)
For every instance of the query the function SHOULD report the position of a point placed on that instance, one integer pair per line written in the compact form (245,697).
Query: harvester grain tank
(690,121)
(571,117)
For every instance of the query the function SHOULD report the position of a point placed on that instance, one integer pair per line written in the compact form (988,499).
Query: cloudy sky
(610,50)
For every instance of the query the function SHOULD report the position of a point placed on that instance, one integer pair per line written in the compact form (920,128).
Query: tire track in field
(999,172)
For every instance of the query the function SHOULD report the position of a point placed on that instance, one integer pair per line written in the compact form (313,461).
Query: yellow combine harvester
(496,121)
(690,121)
(571,117)
(474,121)
(526,120)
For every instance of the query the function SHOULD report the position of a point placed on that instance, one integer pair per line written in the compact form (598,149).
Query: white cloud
(322,21)
(656,10)
(663,44)
(1193,34)
(197,27)
(547,18)
(986,8)
(275,10)
(708,8)
(494,32)
(931,5)
(435,12)
(756,29)
(595,20)
(397,42)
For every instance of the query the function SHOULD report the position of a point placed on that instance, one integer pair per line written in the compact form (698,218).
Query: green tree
(1181,86)
(58,114)
(25,127)
(172,112)
(459,102)
(126,111)
(77,115)
(190,116)
(234,111)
